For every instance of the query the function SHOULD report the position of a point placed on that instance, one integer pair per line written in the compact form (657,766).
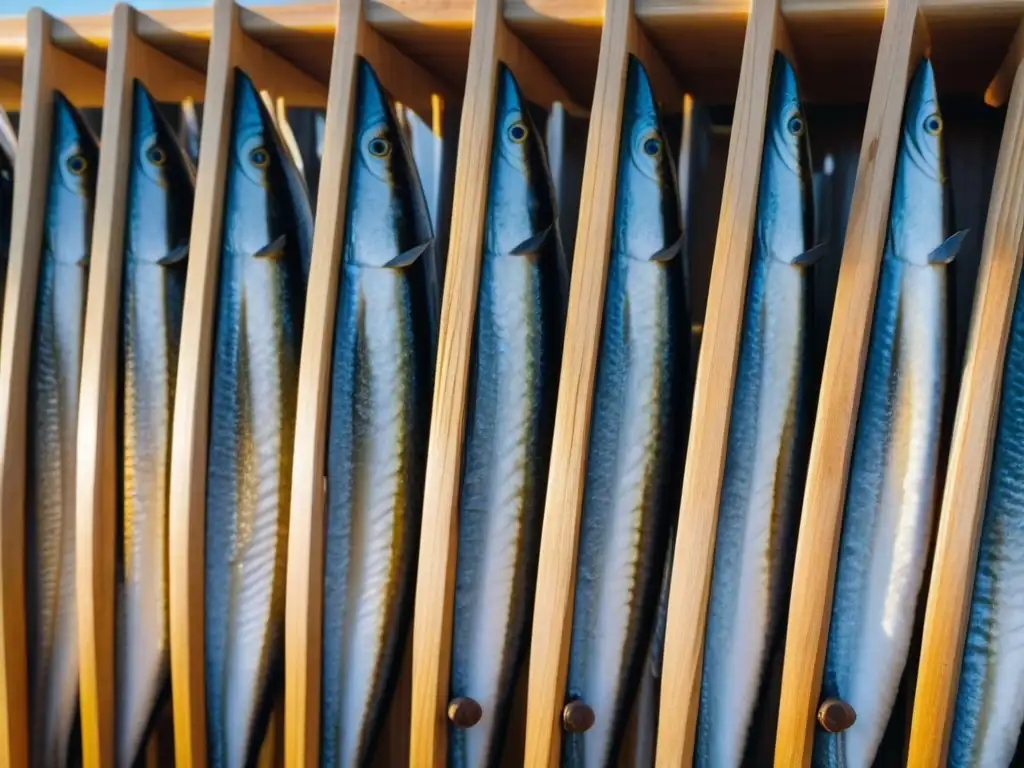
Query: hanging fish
(381,388)
(765,464)
(516,358)
(630,494)
(8,146)
(891,489)
(258,328)
(159,215)
(54,370)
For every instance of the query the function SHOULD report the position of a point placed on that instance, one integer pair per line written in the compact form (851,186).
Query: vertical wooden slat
(716,370)
(418,89)
(552,618)
(229,48)
(128,57)
(490,43)
(967,478)
(46,68)
(903,36)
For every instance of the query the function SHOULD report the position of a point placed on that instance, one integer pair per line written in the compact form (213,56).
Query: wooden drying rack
(717,51)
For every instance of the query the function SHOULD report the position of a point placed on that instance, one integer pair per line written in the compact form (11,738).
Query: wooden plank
(96,503)
(716,371)
(45,69)
(492,42)
(552,618)
(303,623)
(903,37)
(974,430)
(229,48)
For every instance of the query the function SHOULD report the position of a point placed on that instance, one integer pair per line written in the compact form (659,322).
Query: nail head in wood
(464,712)
(836,716)
(577,717)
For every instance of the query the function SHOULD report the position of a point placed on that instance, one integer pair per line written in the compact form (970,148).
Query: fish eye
(379,147)
(652,147)
(933,124)
(77,164)
(795,125)
(259,157)
(518,132)
(156,155)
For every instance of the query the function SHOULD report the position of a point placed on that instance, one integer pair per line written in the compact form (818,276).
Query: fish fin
(408,256)
(668,251)
(176,256)
(811,257)
(272,250)
(946,252)
(533,243)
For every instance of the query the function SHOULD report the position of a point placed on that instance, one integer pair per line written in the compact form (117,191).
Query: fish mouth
(273,249)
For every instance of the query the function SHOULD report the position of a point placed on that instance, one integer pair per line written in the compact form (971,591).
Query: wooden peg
(577,717)
(836,716)
(464,712)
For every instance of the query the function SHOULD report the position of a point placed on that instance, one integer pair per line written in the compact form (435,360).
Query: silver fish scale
(990,707)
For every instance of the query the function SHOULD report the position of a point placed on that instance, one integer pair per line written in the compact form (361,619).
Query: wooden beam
(552,618)
(303,622)
(97,465)
(716,371)
(974,431)
(492,42)
(46,68)
(903,37)
(229,48)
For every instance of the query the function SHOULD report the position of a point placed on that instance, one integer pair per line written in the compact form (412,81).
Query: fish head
(162,185)
(785,223)
(520,208)
(259,187)
(71,192)
(388,222)
(918,209)
(648,218)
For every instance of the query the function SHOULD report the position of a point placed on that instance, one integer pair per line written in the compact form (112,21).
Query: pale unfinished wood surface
(693,559)
(903,36)
(974,430)
(96,502)
(492,42)
(230,47)
(413,86)
(552,618)
(46,67)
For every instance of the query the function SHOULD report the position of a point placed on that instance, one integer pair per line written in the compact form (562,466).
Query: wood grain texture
(903,35)
(46,68)
(552,618)
(229,48)
(303,618)
(974,430)
(97,465)
(716,371)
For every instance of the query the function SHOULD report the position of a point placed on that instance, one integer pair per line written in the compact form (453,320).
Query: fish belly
(499,503)
(990,698)
(889,507)
(151,315)
(252,412)
(369,547)
(53,625)
(757,510)
(615,586)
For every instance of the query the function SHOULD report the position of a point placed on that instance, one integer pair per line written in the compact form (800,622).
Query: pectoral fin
(408,256)
(669,251)
(533,243)
(176,256)
(813,256)
(946,252)
(272,250)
